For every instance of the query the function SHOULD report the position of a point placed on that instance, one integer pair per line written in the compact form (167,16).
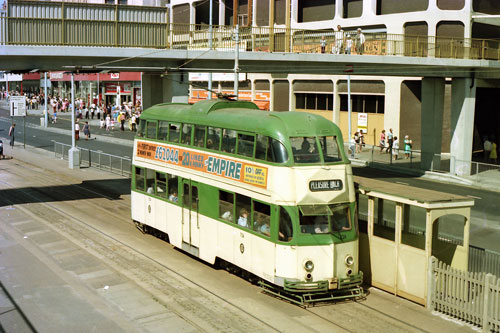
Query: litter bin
(42,121)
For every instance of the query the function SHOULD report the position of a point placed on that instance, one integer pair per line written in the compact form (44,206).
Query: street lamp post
(236,59)
(73,153)
(46,110)
(210,44)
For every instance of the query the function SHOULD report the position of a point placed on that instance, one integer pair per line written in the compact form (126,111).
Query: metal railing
(81,24)
(96,159)
(484,261)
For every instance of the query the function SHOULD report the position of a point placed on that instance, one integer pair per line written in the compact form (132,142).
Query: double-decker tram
(270,193)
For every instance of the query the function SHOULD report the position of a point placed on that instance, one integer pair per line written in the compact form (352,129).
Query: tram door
(190,217)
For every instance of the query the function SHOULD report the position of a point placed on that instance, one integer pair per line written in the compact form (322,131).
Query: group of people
(392,146)
(345,43)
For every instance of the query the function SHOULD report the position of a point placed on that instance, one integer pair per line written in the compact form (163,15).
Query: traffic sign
(17,106)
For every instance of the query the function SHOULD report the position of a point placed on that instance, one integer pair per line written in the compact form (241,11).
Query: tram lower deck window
(226,204)
(139,179)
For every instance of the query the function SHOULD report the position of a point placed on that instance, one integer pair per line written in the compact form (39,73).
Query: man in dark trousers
(11,134)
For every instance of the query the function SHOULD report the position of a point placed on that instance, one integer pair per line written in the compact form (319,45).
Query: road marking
(473,197)
(402,183)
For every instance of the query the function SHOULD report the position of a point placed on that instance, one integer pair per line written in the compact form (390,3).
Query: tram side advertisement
(200,161)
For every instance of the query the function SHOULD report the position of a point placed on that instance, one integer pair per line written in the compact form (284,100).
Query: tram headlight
(309,265)
(349,260)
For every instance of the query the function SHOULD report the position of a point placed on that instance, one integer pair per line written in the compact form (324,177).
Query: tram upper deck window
(305,150)
(229,141)
(186,134)
(245,144)
(276,152)
(199,136)
(141,128)
(163,130)
(330,148)
(174,133)
(213,138)
(151,130)
(261,147)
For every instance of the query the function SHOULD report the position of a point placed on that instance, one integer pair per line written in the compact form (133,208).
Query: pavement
(485,177)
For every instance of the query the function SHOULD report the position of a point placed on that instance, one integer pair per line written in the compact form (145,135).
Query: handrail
(105,25)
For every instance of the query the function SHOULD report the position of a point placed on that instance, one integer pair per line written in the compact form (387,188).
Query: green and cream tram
(269,192)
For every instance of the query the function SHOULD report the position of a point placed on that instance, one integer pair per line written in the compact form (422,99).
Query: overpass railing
(83,24)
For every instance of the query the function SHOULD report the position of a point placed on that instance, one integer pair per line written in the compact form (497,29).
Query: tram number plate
(325,185)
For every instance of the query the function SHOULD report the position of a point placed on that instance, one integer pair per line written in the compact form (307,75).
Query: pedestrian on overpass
(11,134)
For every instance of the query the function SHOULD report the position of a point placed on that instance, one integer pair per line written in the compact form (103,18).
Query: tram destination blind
(325,185)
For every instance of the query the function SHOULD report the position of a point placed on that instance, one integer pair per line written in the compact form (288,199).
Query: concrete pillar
(463,101)
(432,122)
(336,103)
(339,10)
(167,88)
(392,107)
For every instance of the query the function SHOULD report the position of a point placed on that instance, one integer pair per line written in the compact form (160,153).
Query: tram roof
(243,115)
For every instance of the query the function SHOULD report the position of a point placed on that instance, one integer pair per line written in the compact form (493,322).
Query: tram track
(157,279)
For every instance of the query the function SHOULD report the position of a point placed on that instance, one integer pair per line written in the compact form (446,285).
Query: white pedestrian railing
(469,296)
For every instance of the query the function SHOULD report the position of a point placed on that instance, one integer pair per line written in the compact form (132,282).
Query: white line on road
(473,197)
(402,183)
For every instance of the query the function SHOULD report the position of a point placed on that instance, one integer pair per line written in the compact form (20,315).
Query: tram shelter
(401,227)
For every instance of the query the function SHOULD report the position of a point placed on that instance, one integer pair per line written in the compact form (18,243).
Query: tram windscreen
(305,149)
(323,219)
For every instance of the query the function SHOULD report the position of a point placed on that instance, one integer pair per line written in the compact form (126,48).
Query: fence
(82,24)
(482,260)
(96,159)
(470,296)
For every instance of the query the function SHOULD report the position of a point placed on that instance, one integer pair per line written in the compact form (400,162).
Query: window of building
(245,144)
(199,136)
(352,8)
(262,218)
(174,133)
(363,103)
(285,226)
(226,205)
(397,6)
(318,10)
(161,185)
(151,130)
(314,101)
(139,179)
(243,205)
(163,130)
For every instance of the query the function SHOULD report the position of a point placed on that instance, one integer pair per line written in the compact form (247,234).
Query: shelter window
(199,136)
(384,220)
(213,138)
(243,204)
(413,228)
(150,181)
(226,205)
(139,179)
(161,184)
(330,149)
(229,141)
(245,144)
(173,188)
(363,213)
(163,130)
(285,226)
(151,130)
(262,218)
(174,133)
(305,150)
(186,134)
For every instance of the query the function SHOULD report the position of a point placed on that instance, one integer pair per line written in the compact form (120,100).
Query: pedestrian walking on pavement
(77,131)
(86,130)
(108,122)
(11,134)
(408,143)
(395,148)
(382,141)
(390,139)
(122,121)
